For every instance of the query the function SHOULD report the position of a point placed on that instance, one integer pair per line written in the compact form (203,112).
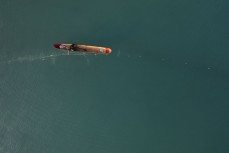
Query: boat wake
(42,57)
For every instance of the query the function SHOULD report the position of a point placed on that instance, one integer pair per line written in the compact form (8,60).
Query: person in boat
(75,47)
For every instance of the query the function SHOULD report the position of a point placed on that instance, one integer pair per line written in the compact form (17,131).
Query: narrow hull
(83,48)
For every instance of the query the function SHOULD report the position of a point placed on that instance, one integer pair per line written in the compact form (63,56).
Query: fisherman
(75,47)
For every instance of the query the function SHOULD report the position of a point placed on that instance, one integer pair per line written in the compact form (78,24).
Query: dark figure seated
(75,47)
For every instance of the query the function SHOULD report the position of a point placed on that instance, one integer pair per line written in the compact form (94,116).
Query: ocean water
(163,89)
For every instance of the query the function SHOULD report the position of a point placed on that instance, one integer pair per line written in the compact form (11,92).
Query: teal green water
(164,88)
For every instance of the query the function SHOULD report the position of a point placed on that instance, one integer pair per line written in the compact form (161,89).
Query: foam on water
(48,56)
